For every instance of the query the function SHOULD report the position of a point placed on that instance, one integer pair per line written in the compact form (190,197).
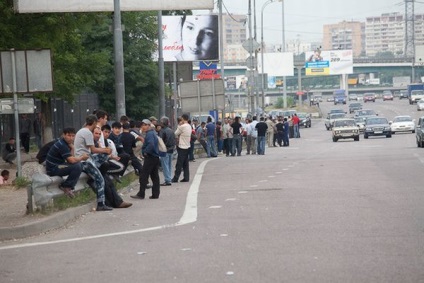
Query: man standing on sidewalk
(183,134)
(168,137)
(150,152)
(211,136)
(24,131)
(261,127)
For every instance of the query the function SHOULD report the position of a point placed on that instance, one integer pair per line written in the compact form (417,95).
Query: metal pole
(175,89)
(213,93)
(284,50)
(161,68)
(198,101)
(221,47)
(119,61)
(256,56)
(251,77)
(262,54)
(16,112)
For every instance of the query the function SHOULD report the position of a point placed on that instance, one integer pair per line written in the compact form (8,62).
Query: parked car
(419,132)
(387,95)
(377,126)
(345,129)
(420,104)
(305,119)
(330,119)
(402,124)
(354,106)
(368,97)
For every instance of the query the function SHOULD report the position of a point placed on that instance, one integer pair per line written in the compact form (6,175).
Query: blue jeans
(236,145)
(296,133)
(166,163)
(211,146)
(261,145)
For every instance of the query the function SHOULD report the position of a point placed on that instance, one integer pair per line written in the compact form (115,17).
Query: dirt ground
(13,201)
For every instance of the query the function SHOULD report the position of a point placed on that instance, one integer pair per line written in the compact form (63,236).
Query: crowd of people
(105,151)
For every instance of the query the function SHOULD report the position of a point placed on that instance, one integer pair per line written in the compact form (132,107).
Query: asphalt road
(317,211)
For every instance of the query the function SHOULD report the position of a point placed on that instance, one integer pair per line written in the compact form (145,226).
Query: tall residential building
(234,34)
(344,35)
(387,33)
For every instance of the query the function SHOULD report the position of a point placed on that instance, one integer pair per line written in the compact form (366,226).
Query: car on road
(365,112)
(377,126)
(354,106)
(402,124)
(419,132)
(305,119)
(360,97)
(353,97)
(332,111)
(330,99)
(403,94)
(368,97)
(345,129)
(387,95)
(360,122)
(420,105)
(330,119)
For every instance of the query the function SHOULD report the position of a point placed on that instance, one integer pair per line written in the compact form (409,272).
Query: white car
(420,105)
(402,124)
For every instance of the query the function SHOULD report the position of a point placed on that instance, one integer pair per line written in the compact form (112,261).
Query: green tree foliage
(82,49)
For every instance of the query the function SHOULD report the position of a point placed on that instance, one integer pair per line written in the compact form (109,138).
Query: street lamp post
(262,48)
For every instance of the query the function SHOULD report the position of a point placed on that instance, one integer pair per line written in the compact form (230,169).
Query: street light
(262,47)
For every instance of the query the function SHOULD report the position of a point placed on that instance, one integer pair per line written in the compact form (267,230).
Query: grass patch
(21,182)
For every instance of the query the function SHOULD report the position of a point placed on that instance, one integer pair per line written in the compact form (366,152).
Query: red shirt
(295,120)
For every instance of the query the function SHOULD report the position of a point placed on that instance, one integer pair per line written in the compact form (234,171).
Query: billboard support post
(16,112)
(161,68)
(119,61)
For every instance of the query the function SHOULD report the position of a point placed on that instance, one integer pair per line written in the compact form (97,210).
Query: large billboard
(331,62)
(55,6)
(277,64)
(190,38)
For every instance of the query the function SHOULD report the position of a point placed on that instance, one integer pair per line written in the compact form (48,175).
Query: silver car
(420,105)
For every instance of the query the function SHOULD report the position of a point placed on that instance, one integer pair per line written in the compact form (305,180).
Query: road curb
(51,222)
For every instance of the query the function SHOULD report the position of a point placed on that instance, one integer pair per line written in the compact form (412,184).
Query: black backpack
(42,154)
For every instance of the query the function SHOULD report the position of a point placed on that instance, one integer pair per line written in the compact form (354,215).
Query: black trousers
(150,168)
(182,164)
(25,141)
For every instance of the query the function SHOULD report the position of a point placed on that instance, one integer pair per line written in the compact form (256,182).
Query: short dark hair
(11,138)
(90,120)
(165,121)
(185,117)
(137,124)
(5,173)
(126,126)
(124,119)
(101,114)
(106,127)
(69,131)
(116,125)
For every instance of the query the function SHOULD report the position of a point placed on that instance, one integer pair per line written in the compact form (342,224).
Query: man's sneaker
(103,208)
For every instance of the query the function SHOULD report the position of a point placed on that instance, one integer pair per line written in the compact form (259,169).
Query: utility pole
(409,33)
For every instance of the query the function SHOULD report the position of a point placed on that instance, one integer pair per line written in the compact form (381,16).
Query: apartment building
(344,35)
(234,34)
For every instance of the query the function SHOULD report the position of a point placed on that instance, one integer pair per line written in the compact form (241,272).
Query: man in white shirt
(183,134)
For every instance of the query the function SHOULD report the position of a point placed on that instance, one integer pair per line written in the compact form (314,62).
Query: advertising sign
(331,62)
(190,38)
(277,64)
(208,70)
(54,6)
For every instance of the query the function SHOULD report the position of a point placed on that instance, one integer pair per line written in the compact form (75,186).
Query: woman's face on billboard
(199,37)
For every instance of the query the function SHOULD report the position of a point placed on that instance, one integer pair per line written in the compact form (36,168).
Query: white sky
(304,19)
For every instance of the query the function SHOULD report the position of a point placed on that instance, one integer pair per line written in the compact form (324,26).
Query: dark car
(419,132)
(354,106)
(387,95)
(305,119)
(377,126)
(403,94)
(368,97)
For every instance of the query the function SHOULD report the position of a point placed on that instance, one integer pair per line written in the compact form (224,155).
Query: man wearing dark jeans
(150,151)
(61,162)
(183,134)
(24,131)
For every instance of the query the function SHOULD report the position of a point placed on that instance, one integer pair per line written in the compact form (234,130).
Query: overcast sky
(304,19)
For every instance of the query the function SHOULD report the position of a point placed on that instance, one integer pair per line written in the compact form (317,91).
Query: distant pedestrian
(183,134)
(286,133)
(24,131)
(168,137)
(236,129)
(38,127)
(261,127)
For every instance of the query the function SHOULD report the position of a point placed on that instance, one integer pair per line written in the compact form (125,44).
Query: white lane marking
(262,181)
(215,206)
(278,172)
(231,199)
(242,192)
(419,158)
(253,186)
(189,216)
(285,169)
(271,176)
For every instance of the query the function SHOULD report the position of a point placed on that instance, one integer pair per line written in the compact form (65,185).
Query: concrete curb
(54,221)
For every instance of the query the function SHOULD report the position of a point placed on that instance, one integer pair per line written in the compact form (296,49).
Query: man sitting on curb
(61,161)
(9,151)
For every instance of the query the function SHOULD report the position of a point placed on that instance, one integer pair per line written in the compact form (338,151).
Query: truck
(339,96)
(415,92)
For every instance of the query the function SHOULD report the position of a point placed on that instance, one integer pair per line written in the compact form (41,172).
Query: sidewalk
(15,223)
